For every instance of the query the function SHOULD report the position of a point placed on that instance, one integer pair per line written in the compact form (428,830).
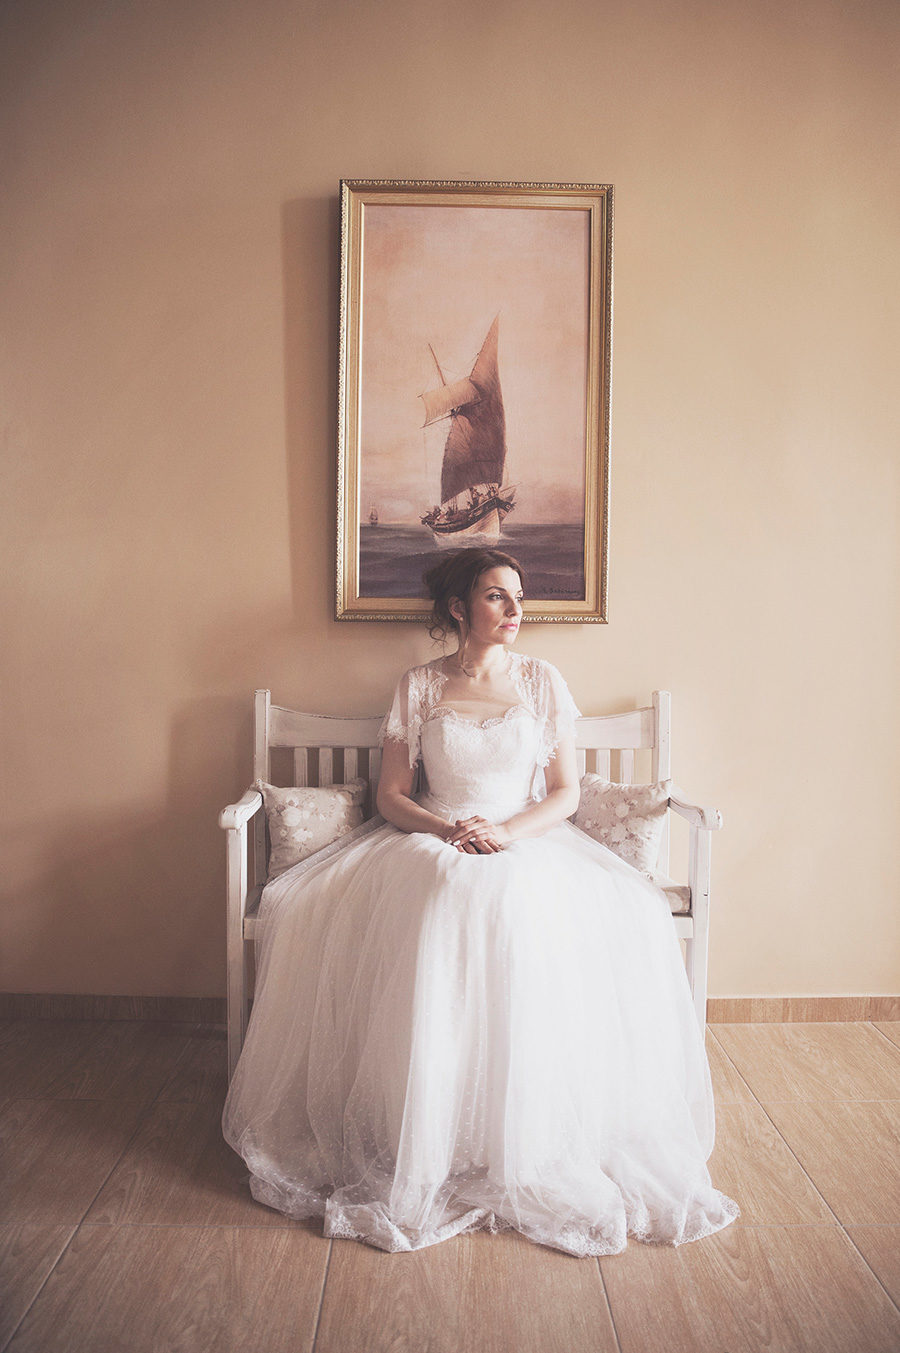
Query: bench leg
(698,945)
(237,1019)
(236,981)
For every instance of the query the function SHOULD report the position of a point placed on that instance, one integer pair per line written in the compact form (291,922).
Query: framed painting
(474,389)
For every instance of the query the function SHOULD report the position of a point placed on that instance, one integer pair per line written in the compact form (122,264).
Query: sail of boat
(472,500)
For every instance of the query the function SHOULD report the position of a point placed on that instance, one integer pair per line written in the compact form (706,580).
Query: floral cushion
(629,819)
(302,821)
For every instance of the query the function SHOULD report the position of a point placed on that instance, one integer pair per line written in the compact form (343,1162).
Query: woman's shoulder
(537,669)
(423,680)
(550,699)
(423,671)
(546,687)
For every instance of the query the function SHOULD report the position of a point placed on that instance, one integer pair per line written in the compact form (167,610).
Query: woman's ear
(456,609)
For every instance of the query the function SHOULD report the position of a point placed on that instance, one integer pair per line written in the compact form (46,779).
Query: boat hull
(485,530)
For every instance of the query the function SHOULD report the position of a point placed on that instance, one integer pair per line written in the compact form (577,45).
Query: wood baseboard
(800,1009)
(211,1009)
(186,1009)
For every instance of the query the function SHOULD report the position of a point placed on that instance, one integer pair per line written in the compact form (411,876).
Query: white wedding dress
(442,1042)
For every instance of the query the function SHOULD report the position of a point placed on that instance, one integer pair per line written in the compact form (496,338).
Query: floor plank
(35,1053)
(57,1153)
(813,1061)
(202,1070)
(880,1247)
(121,1059)
(27,1255)
(175,1251)
(753,1164)
(890,1028)
(729,1086)
(182,1290)
(851,1151)
(797,1289)
(479,1293)
(180,1171)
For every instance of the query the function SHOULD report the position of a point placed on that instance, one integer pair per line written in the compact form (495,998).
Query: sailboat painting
(474,390)
(473,505)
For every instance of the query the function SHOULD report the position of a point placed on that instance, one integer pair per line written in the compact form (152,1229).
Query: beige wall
(169,226)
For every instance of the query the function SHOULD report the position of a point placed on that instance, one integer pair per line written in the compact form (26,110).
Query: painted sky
(439,275)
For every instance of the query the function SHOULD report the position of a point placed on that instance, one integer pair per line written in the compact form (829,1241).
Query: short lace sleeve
(403,721)
(557,709)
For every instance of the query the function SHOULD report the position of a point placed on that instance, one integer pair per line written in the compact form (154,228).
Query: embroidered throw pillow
(302,821)
(629,819)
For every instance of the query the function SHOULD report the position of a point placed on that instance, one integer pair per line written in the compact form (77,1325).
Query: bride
(470,1014)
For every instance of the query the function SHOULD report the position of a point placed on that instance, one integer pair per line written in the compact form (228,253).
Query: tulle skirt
(443,1042)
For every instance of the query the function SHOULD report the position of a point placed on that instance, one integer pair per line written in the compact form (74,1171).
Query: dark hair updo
(455,575)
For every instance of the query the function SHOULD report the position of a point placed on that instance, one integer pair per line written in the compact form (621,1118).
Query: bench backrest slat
(596,738)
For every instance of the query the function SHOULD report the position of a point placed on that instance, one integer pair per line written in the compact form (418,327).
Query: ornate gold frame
(356,195)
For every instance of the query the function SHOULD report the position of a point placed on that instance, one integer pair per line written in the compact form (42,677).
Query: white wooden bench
(314,742)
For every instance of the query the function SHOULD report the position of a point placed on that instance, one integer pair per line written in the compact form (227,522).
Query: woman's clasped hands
(477,836)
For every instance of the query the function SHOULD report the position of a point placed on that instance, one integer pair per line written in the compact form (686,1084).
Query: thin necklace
(473,675)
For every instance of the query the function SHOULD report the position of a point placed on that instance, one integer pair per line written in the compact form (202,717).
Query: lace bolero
(540,687)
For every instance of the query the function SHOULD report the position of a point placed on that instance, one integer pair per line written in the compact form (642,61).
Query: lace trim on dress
(547,694)
(448,712)
(393,729)
(542,689)
(525,674)
(423,688)
(372,1224)
(433,681)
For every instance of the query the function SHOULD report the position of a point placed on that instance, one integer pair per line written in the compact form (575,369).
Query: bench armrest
(237,814)
(710,819)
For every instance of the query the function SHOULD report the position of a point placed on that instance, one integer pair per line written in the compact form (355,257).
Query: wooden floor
(127,1224)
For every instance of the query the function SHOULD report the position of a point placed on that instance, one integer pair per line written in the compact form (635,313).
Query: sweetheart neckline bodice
(447,712)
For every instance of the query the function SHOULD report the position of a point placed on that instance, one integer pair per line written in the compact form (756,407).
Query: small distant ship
(373,515)
(473,504)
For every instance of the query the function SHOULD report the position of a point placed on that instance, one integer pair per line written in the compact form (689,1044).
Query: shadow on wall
(375,654)
(132,903)
(311,275)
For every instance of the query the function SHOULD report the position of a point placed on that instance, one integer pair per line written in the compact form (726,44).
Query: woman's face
(495,607)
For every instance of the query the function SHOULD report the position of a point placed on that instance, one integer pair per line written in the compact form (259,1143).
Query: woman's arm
(394,789)
(563,793)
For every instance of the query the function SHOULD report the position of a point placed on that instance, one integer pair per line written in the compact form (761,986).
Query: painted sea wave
(393,558)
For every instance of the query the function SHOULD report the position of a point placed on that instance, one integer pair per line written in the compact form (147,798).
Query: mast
(475,450)
(443,378)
